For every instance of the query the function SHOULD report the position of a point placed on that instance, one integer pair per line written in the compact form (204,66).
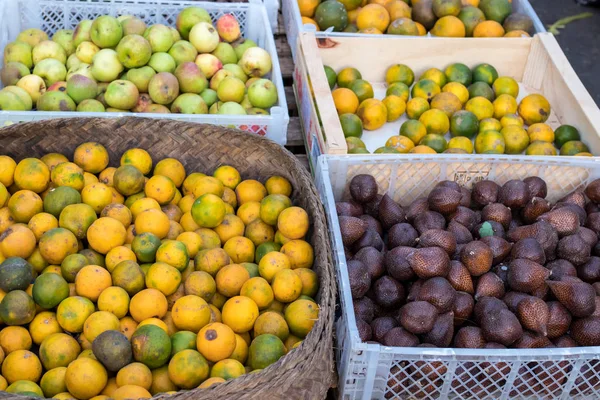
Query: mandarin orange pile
(143,279)
(447,18)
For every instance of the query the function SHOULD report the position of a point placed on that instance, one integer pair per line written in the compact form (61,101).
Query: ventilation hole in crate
(587,383)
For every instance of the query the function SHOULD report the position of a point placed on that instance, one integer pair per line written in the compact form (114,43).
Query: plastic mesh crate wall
(371,371)
(293,22)
(52,15)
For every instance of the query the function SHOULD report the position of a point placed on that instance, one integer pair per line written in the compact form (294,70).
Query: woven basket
(305,373)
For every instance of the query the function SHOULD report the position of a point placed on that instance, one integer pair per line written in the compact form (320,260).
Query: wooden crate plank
(291,101)
(294,133)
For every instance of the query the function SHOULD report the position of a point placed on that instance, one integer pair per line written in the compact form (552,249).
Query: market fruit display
(141,278)
(122,65)
(494,267)
(446,18)
(452,110)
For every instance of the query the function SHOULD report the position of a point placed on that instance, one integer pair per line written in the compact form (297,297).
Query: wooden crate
(537,63)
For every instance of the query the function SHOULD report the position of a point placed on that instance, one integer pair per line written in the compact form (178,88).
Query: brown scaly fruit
(514,194)
(390,213)
(402,234)
(529,249)
(586,331)
(462,308)
(438,292)
(400,337)
(444,200)
(465,199)
(464,216)
(501,326)
(577,197)
(397,265)
(429,220)
(372,207)
(590,271)
(477,257)
(416,208)
(502,271)
(442,332)
(489,285)
(360,281)
(531,340)
(559,320)
(534,315)
(461,234)
(591,208)
(574,249)
(525,275)
(588,236)
(352,229)
(365,309)
(372,224)
(363,188)
(593,222)
(486,305)
(564,220)
(581,213)
(389,292)
(497,212)
(373,260)
(460,278)
(577,297)
(512,300)
(483,227)
(537,186)
(438,238)
(499,246)
(485,192)
(534,208)
(382,325)
(414,289)
(564,341)
(429,262)
(349,208)
(469,337)
(364,330)
(592,191)
(417,317)
(559,268)
(368,239)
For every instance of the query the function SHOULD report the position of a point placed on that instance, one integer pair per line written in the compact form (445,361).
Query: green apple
(55,101)
(60,86)
(134,51)
(241,45)
(86,51)
(34,85)
(163,88)
(208,64)
(82,32)
(10,101)
(143,102)
(175,34)
(162,62)
(12,72)
(237,71)
(64,37)
(22,94)
(140,77)
(218,77)
(18,52)
(189,17)
(121,94)
(256,62)
(48,49)
(204,37)
(160,38)
(133,26)
(90,105)
(231,89)
(82,69)
(73,61)
(81,88)
(32,36)
(50,70)
(209,96)
(106,32)
(183,51)
(106,66)
(157,109)
(190,78)
(231,108)
(189,103)
(262,94)
(225,53)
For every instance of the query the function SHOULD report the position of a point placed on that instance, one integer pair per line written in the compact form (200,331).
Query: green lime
(355,143)
(490,142)
(481,89)
(564,134)
(459,73)
(485,73)
(413,129)
(464,123)
(359,150)
(386,150)
(331,76)
(398,89)
(573,147)
(362,89)
(436,142)
(351,125)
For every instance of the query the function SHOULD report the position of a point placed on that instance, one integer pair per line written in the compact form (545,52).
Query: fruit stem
(561,23)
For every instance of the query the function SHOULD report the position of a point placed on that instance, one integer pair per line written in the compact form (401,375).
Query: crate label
(468,178)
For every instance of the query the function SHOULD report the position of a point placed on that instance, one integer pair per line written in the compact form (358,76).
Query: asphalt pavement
(580,40)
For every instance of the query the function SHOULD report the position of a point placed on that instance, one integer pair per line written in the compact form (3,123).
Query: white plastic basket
(293,23)
(372,371)
(52,15)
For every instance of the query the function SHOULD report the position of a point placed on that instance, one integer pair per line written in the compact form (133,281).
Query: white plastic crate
(293,23)
(52,15)
(373,371)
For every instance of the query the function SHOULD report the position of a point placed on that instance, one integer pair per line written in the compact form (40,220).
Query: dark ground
(580,40)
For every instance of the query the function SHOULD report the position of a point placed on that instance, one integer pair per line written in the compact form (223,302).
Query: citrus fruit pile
(476,108)
(447,18)
(131,281)
(121,65)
